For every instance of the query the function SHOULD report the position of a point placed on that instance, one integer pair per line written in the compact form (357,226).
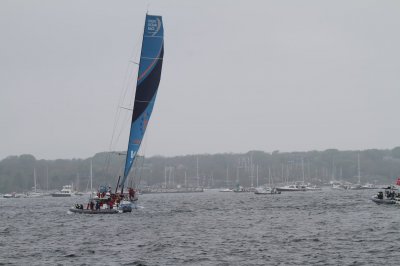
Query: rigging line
(120,102)
(134,52)
(141,173)
(137,171)
(116,116)
(126,108)
(122,129)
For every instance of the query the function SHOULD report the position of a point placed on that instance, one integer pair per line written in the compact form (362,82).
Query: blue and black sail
(149,75)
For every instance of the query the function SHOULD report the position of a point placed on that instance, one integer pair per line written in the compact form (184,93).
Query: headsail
(149,75)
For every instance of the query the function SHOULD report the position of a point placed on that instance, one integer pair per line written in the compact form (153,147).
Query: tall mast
(287,174)
(269,176)
(34,178)
(165,176)
(91,176)
(302,169)
(47,177)
(172,174)
(227,177)
(358,168)
(185,180)
(197,171)
(257,174)
(251,169)
(78,180)
(237,175)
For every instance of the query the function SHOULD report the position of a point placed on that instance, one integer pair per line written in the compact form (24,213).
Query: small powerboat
(389,197)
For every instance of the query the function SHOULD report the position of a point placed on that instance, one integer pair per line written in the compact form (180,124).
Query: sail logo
(153,26)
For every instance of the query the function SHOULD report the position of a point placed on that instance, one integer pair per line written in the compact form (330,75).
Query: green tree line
(207,170)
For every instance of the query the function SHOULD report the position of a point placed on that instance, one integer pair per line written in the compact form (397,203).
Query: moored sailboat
(35,193)
(266,189)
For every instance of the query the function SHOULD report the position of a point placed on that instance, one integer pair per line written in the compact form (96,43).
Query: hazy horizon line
(194,154)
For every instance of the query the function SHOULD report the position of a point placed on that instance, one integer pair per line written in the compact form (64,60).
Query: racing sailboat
(148,80)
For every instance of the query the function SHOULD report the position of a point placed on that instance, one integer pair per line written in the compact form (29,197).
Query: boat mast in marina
(269,176)
(358,168)
(91,176)
(34,180)
(197,171)
(227,177)
(257,175)
(302,170)
(47,177)
(185,180)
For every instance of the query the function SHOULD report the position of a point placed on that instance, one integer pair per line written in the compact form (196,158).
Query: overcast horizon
(237,76)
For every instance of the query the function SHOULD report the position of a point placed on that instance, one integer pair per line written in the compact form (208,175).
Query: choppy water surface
(211,228)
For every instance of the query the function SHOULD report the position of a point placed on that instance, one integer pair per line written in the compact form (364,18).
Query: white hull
(291,188)
(66,191)
(226,190)
(313,188)
(61,195)
(265,191)
(35,195)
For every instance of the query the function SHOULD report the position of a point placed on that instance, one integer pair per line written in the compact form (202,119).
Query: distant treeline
(206,170)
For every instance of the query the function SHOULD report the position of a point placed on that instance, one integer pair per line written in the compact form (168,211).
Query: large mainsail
(149,75)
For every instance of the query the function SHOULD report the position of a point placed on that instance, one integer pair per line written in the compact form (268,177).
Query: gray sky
(237,75)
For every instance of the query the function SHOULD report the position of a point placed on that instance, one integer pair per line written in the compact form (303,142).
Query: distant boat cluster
(149,190)
(66,191)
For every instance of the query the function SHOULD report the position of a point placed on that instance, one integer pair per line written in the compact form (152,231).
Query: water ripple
(211,228)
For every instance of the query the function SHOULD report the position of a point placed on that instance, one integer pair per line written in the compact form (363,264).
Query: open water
(299,228)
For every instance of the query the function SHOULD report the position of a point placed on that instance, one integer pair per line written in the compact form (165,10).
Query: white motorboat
(292,188)
(313,188)
(66,191)
(226,190)
(12,195)
(369,186)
